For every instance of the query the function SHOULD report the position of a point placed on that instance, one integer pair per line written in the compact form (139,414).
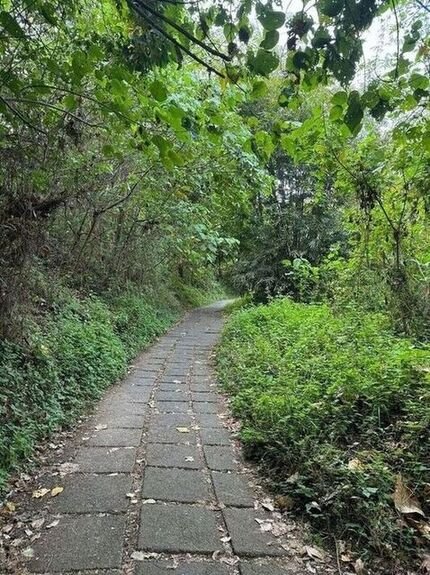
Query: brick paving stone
(78,543)
(105,459)
(166,455)
(173,379)
(214,436)
(135,395)
(232,489)
(173,406)
(202,387)
(172,387)
(93,494)
(209,420)
(202,407)
(172,395)
(184,568)
(207,397)
(171,435)
(220,457)
(121,421)
(121,407)
(247,538)
(178,529)
(182,485)
(270,567)
(170,421)
(116,437)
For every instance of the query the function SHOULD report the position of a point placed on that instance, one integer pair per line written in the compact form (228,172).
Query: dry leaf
(183,429)
(53,524)
(138,555)
(28,553)
(359,567)
(267,504)
(37,523)
(189,458)
(10,506)
(148,501)
(56,491)
(100,427)
(40,493)
(404,501)
(355,465)
(315,553)
(7,528)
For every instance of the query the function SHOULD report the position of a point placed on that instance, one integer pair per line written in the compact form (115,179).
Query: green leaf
(263,62)
(264,143)
(331,7)
(340,98)
(321,38)
(259,89)
(271,39)
(354,112)
(336,112)
(271,19)
(11,25)
(158,90)
(419,81)
(229,31)
(162,144)
(301,60)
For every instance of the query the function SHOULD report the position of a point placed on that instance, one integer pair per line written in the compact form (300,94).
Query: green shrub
(334,406)
(138,322)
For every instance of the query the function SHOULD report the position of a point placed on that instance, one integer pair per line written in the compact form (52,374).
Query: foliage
(334,407)
(70,359)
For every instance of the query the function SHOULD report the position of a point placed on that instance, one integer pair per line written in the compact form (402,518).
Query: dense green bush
(335,407)
(69,359)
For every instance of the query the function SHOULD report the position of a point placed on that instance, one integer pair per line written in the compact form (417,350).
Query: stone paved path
(157,486)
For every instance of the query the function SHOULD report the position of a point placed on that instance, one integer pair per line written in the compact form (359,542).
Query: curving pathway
(156,485)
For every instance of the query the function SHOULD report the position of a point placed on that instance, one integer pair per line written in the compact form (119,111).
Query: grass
(335,408)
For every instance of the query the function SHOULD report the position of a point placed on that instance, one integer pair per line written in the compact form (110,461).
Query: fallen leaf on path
(138,555)
(183,429)
(267,504)
(148,501)
(37,523)
(56,491)
(39,493)
(265,524)
(28,553)
(315,553)
(100,426)
(189,458)
(68,467)
(404,501)
(53,524)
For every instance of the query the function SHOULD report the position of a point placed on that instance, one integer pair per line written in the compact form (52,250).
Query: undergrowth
(335,407)
(69,356)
